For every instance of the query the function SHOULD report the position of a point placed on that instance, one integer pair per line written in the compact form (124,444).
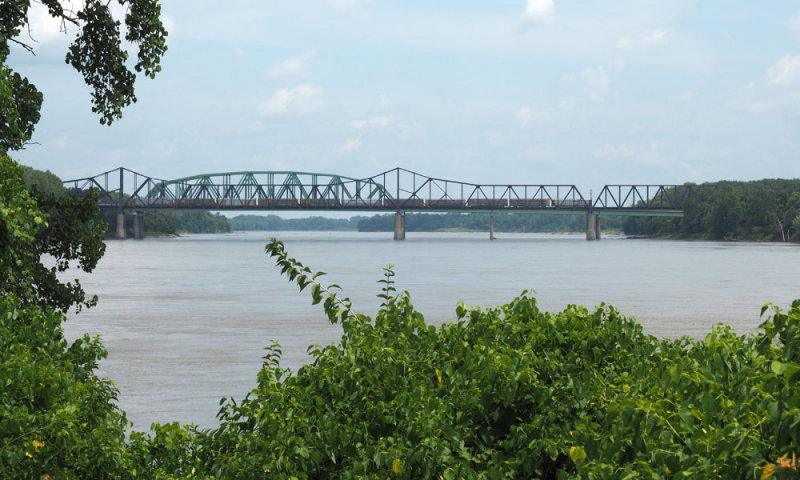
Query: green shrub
(56,416)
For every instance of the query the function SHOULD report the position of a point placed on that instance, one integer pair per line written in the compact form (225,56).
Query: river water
(185,320)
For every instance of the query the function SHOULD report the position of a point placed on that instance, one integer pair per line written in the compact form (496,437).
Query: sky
(509,91)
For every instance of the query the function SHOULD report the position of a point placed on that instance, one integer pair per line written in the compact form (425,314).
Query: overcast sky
(538,91)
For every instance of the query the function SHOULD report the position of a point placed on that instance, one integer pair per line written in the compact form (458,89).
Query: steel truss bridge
(396,190)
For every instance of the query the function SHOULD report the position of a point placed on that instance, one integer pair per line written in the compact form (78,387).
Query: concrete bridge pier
(121,232)
(592,226)
(491,227)
(597,227)
(400,226)
(138,225)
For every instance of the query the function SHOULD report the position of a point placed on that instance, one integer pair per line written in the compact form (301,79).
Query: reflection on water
(186,319)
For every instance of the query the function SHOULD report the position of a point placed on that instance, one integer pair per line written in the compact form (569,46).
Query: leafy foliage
(72,237)
(19,222)
(56,417)
(19,108)
(44,181)
(97,53)
(66,234)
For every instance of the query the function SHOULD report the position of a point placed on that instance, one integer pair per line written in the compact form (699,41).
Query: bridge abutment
(138,225)
(400,226)
(121,232)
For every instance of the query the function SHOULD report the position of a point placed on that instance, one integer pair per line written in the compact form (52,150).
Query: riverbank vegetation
(509,392)
(762,210)
(274,223)
(164,223)
(523,222)
(426,222)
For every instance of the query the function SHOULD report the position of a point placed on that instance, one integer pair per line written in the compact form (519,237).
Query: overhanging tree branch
(23,45)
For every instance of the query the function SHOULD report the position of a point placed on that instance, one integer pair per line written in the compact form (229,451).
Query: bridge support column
(491,227)
(400,226)
(138,225)
(597,227)
(121,232)
(591,226)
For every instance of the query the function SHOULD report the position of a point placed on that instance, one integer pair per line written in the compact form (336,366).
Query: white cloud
(348,3)
(352,144)
(538,11)
(794,22)
(524,116)
(750,98)
(646,41)
(169,24)
(625,43)
(622,150)
(688,96)
(41,26)
(293,66)
(365,123)
(596,80)
(755,106)
(62,141)
(646,153)
(785,71)
(301,100)
(654,38)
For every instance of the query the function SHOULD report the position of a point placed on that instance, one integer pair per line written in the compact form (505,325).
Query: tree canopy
(57,418)
(97,53)
(766,209)
(68,230)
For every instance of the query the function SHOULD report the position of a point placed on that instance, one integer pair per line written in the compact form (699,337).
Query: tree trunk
(780,225)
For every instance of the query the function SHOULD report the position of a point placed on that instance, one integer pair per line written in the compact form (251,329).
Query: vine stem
(303,276)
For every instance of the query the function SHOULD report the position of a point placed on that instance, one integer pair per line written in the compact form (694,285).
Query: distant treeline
(169,222)
(266,223)
(503,222)
(424,222)
(758,210)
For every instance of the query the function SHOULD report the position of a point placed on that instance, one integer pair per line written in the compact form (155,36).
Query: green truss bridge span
(397,190)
